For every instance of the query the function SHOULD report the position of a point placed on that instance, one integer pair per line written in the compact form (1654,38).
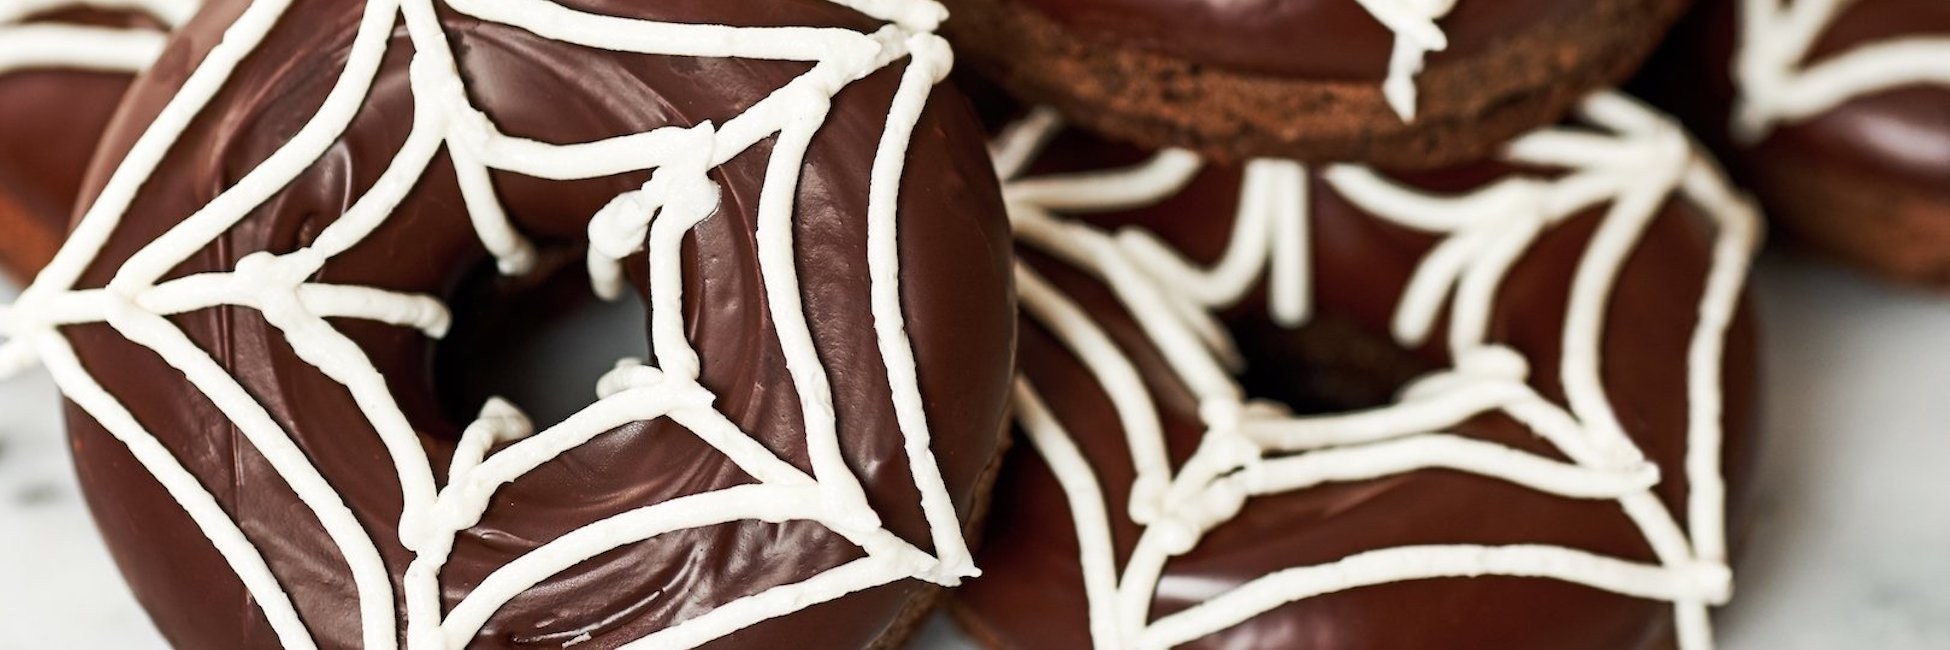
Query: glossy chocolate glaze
(1315,39)
(955,255)
(1032,595)
(50,121)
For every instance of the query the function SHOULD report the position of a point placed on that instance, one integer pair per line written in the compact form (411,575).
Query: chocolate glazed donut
(259,366)
(1407,85)
(62,73)
(1345,514)
(1837,115)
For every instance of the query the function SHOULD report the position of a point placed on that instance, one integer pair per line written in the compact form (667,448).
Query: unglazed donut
(243,322)
(1836,113)
(63,67)
(1576,369)
(1399,83)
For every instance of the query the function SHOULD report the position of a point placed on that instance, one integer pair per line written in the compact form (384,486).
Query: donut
(245,319)
(1500,405)
(63,66)
(1837,114)
(1383,82)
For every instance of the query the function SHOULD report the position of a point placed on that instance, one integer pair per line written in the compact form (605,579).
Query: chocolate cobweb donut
(244,323)
(1274,406)
(63,66)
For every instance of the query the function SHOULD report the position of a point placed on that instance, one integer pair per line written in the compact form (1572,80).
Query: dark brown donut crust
(1470,100)
(1032,595)
(956,289)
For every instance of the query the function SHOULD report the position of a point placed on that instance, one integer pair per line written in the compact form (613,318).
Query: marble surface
(1850,547)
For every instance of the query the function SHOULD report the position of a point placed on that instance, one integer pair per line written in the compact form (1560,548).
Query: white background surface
(1850,548)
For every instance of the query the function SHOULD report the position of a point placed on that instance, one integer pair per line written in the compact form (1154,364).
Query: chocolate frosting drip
(955,254)
(1314,39)
(1033,595)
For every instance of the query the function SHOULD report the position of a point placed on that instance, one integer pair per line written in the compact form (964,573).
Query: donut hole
(1329,365)
(540,341)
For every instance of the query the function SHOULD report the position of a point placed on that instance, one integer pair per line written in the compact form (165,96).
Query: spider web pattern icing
(1776,84)
(655,217)
(1630,166)
(28,45)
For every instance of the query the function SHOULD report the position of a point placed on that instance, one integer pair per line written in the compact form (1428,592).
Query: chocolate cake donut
(1836,113)
(1397,83)
(245,319)
(63,67)
(1219,456)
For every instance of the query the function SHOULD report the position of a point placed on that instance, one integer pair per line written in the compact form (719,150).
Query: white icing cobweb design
(27,44)
(1628,167)
(1777,84)
(677,196)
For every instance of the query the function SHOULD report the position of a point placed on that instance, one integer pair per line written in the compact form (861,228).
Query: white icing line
(1776,84)
(1438,411)
(1425,562)
(778,264)
(1416,35)
(1095,552)
(1634,163)
(1136,415)
(1019,142)
(1245,256)
(1162,176)
(1732,255)
(928,65)
(42,45)
(80,387)
(755,502)
(369,575)
(858,575)
(1292,289)
(172,13)
(1442,451)
(74,47)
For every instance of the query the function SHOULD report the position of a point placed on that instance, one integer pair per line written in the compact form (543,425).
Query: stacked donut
(1207,323)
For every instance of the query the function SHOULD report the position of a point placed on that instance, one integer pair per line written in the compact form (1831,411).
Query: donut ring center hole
(1329,365)
(540,341)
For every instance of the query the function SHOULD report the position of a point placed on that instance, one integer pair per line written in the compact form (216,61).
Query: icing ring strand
(1629,166)
(656,216)
(26,44)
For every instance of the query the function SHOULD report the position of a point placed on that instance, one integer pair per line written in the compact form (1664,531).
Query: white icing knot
(501,421)
(934,52)
(681,191)
(1148,494)
(1712,581)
